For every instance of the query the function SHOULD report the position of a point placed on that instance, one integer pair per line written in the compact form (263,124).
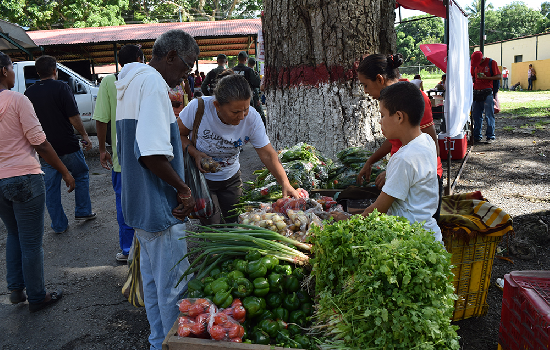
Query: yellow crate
(473,262)
(500,347)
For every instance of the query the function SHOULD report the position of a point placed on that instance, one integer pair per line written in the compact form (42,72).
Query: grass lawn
(525,103)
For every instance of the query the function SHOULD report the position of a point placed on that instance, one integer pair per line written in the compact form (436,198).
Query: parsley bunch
(383,284)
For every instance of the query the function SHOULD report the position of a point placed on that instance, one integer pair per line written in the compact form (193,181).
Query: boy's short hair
(129,53)
(405,97)
(45,66)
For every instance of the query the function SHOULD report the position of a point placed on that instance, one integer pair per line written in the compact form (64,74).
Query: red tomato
(233,330)
(236,340)
(217,332)
(184,305)
(236,302)
(228,311)
(184,330)
(195,310)
(264,192)
(184,320)
(220,318)
(198,328)
(200,204)
(204,303)
(241,331)
(239,312)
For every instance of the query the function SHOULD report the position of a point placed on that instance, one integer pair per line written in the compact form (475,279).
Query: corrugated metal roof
(148,31)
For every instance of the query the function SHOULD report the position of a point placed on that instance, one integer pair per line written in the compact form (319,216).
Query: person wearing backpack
(486,76)
(209,83)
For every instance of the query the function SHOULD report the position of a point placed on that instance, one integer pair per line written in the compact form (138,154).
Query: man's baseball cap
(476,58)
(221,56)
(243,54)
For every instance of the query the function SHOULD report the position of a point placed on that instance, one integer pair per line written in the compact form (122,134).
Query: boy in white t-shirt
(411,188)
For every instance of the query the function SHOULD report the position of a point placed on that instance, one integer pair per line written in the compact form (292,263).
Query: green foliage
(411,34)
(510,21)
(383,284)
(39,14)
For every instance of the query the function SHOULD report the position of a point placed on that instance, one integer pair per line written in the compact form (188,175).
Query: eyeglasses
(189,68)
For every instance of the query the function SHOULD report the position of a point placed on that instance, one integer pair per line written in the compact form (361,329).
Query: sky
(535,4)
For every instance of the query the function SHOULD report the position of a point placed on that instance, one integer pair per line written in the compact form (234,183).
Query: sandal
(55,296)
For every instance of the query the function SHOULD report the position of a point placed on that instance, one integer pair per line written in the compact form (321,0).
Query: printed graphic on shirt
(224,151)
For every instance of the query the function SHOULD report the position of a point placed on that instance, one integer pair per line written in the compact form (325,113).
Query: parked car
(85,91)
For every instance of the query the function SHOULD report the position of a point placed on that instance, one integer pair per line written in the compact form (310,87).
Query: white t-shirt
(223,142)
(417,82)
(411,178)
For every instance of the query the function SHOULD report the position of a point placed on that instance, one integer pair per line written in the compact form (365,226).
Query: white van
(85,92)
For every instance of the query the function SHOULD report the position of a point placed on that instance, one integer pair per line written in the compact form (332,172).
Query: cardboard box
(173,342)
(458,146)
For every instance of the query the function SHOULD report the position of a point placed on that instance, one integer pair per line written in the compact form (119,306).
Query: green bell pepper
(298,317)
(265,315)
(282,336)
(194,284)
(256,269)
(242,287)
(291,302)
(291,284)
(270,327)
(303,296)
(209,297)
(222,274)
(282,324)
(240,265)
(227,265)
(208,289)
(274,300)
(283,269)
(261,287)
(303,341)
(307,308)
(294,329)
(270,262)
(234,275)
(263,304)
(215,271)
(281,314)
(253,305)
(194,294)
(220,285)
(223,299)
(253,255)
(274,280)
(298,273)
(207,280)
(259,337)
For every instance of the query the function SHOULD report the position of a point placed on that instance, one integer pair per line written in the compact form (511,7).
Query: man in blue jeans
(105,112)
(155,198)
(484,72)
(57,111)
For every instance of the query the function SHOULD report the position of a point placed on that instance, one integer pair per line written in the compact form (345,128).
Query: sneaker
(121,257)
(477,140)
(55,296)
(489,141)
(17,296)
(86,218)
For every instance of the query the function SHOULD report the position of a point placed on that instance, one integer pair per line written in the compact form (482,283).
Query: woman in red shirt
(376,72)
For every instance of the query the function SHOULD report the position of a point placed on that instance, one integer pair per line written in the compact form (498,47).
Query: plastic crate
(525,316)
(472,258)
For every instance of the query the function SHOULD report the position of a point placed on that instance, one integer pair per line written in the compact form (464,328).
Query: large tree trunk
(312,51)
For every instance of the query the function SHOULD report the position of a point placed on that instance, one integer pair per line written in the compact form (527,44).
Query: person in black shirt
(247,72)
(58,113)
(209,82)
(256,91)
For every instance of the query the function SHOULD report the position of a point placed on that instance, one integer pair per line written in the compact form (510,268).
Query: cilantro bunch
(382,284)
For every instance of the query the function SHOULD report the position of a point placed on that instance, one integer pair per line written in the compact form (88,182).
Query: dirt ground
(512,172)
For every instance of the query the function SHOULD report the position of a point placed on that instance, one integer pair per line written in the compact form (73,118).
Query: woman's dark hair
(129,53)
(4,60)
(231,87)
(417,76)
(385,65)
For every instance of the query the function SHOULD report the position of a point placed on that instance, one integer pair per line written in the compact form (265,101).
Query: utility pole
(482,28)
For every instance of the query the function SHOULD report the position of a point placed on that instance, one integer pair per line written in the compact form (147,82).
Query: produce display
(382,283)
(257,300)
(352,160)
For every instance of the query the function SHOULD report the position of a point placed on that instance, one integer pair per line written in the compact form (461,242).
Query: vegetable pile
(352,161)
(382,283)
(259,294)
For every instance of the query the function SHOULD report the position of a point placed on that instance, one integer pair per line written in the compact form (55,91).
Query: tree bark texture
(313,48)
